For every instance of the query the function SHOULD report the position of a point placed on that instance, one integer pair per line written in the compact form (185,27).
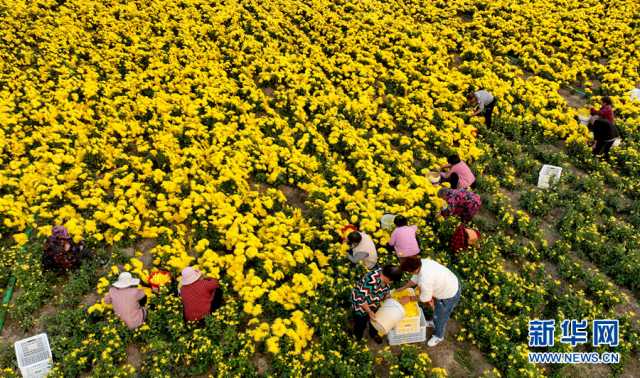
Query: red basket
(346,230)
(159,278)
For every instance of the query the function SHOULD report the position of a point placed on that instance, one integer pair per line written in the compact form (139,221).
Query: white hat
(125,280)
(190,275)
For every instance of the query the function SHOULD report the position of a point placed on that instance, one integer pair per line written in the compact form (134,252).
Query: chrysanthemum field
(240,136)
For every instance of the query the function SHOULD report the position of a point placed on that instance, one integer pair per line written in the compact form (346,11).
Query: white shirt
(435,280)
(634,95)
(484,98)
(365,251)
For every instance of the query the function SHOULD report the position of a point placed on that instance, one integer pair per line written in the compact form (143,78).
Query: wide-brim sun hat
(386,222)
(189,276)
(126,280)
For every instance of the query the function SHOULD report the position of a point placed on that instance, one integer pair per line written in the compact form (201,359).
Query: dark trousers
(452,179)
(602,147)
(216,302)
(488,109)
(361,322)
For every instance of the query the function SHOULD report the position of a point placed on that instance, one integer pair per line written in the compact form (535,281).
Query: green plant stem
(5,300)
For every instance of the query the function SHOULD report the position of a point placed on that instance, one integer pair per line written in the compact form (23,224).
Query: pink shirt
(465,176)
(126,306)
(404,241)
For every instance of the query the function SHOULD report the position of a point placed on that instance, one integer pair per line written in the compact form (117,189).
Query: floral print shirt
(462,203)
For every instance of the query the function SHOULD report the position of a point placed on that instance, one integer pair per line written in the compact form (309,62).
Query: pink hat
(190,275)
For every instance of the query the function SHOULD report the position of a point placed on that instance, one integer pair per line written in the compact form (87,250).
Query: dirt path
(573,100)
(459,359)
(295,196)
(630,306)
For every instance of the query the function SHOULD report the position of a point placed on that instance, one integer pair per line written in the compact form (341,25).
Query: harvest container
(420,336)
(34,356)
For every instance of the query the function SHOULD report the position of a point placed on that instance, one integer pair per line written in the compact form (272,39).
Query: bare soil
(632,368)
(11,333)
(261,362)
(134,356)
(550,233)
(586,370)
(551,270)
(268,91)
(295,196)
(513,197)
(511,266)
(90,299)
(446,354)
(572,99)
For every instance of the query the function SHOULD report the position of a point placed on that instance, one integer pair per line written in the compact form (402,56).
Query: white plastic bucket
(386,222)
(388,315)
(548,174)
(583,120)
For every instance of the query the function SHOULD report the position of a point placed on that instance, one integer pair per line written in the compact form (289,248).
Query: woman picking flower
(366,297)
(61,253)
(200,296)
(403,238)
(128,300)
(483,102)
(605,112)
(605,134)
(460,202)
(439,287)
(458,173)
(363,249)
(463,238)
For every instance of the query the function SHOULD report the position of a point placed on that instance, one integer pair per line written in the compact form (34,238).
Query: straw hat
(190,275)
(125,280)
(472,236)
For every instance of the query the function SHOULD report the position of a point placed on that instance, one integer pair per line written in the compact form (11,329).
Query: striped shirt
(371,290)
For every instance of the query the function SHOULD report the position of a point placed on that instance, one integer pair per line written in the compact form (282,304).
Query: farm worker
(61,253)
(605,112)
(439,287)
(458,173)
(461,202)
(604,134)
(128,300)
(200,296)
(463,238)
(366,297)
(403,238)
(483,102)
(362,249)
